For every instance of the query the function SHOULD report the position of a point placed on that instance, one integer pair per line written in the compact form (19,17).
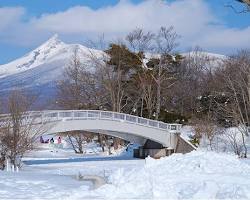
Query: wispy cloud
(10,16)
(192,19)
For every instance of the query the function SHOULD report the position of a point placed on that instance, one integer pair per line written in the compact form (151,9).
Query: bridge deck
(61,115)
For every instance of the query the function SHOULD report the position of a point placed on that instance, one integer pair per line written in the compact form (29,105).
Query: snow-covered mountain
(40,69)
(212,56)
(52,51)
(210,61)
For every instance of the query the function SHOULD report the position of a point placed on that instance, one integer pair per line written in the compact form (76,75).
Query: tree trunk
(158,103)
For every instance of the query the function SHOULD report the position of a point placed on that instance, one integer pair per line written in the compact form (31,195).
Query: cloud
(10,16)
(125,16)
(226,39)
(192,19)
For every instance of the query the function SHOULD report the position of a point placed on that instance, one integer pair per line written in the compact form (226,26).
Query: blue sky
(208,23)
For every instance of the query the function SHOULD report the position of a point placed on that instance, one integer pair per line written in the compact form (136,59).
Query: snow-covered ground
(197,175)
(223,140)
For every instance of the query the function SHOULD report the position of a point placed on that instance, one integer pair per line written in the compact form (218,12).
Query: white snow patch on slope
(205,54)
(51,51)
(197,175)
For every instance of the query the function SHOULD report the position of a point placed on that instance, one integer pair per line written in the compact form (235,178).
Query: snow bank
(197,175)
(222,141)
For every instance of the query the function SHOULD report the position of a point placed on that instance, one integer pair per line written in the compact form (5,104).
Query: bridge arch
(128,127)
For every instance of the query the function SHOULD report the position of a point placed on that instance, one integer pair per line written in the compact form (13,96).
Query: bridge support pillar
(156,150)
(152,149)
(154,153)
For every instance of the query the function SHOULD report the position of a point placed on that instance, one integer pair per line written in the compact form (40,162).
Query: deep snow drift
(197,175)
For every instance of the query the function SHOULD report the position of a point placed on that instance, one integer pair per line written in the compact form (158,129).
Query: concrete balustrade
(129,127)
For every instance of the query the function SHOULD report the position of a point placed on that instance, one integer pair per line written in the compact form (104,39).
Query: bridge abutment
(152,149)
(157,150)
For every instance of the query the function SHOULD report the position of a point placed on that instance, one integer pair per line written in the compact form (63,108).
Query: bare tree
(149,91)
(142,42)
(246,4)
(114,70)
(116,74)
(165,44)
(206,130)
(193,81)
(77,139)
(18,130)
(235,86)
(162,45)
(234,140)
(78,90)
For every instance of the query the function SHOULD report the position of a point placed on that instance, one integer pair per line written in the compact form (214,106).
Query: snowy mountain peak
(44,65)
(52,42)
(54,38)
(45,53)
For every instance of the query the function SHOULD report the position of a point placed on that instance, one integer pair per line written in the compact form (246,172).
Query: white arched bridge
(129,127)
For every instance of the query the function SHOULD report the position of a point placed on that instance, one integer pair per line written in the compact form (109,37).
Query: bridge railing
(66,115)
(61,115)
